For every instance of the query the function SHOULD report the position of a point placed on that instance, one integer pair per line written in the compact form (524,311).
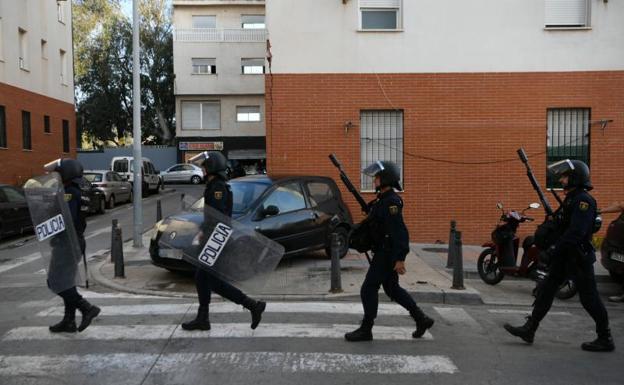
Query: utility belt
(367,236)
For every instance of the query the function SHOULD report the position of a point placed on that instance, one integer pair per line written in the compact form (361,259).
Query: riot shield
(223,247)
(54,228)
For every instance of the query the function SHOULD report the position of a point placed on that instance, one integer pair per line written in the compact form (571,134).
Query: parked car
(300,213)
(123,165)
(14,214)
(183,173)
(114,187)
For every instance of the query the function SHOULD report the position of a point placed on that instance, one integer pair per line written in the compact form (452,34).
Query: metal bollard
(336,282)
(158,211)
(182,202)
(113,227)
(458,266)
(451,245)
(119,257)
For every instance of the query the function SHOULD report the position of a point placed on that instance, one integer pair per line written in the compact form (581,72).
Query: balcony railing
(221,35)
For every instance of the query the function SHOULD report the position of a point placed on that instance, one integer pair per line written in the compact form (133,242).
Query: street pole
(136,128)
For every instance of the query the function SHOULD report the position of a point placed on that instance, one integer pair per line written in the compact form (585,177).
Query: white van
(123,165)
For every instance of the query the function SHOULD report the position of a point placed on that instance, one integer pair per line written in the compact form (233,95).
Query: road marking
(457,315)
(98,232)
(226,330)
(227,307)
(19,261)
(223,362)
(526,312)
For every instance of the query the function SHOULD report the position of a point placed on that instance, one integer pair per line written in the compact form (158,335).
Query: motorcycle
(612,250)
(501,254)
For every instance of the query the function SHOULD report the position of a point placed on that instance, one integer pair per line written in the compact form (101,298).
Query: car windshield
(244,194)
(93,177)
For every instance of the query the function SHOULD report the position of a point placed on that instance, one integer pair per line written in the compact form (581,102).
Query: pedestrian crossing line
(457,315)
(527,312)
(284,362)
(225,330)
(17,262)
(228,307)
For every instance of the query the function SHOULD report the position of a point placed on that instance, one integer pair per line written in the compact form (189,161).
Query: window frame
(47,127)
(201,114)
(243,66)
(363,7)
(252,25)
(212,68)
(60,12)
(586,24)
(284,185)
(22,59)
(3,128)
(249,120)
(206,16)
(26,131)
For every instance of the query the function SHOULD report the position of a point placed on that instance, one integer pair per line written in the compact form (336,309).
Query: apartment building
(37,114)
(219,63)
(449,90)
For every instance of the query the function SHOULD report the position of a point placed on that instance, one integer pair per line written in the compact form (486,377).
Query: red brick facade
(456,117)
(17,164)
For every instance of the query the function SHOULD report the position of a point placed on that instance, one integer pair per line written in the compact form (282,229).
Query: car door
(15,216)
(292,225)
(187,173)
(125,188)
(324,207)
(173,174)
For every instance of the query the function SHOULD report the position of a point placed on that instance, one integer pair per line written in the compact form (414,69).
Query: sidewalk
(298,278)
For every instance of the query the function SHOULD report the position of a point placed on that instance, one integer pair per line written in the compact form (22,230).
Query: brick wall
(456,117)
(17,164)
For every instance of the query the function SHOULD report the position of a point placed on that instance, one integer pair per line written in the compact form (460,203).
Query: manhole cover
(436,249)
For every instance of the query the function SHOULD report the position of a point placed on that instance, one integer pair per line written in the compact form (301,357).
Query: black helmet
(214,162)
(69,169)
(576,171)
(389,173)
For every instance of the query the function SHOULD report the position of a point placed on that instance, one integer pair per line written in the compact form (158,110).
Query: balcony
(213,35)
(218,2)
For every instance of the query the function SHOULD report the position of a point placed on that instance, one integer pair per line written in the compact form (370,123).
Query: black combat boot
(89,312)
(68,323)
(526,331)
(422,323)
(201,322)
(256,308)
(363,333)
(604,343)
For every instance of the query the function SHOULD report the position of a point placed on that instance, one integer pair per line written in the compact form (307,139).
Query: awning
(247,154)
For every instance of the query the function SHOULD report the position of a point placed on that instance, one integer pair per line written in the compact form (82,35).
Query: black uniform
(574,256)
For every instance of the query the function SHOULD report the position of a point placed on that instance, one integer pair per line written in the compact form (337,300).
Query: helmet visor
(561,168)
(373,169)
(199,159)
(52,166)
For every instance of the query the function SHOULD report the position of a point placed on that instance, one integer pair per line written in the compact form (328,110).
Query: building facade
(219,63)
(448,90)
(37,114)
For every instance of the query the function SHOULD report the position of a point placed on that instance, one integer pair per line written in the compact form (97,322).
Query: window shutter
(211,115)
(191,116)
(566,12)
(380,3)
(204,62)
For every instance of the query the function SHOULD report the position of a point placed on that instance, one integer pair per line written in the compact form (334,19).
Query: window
(204,21)
(201,115)
(286,198)
(319,192)
(44,49)
(117,177)
(120,165)
(63,72)
(46,124)
(568,137)
(26,134)
(248,114)
(60,11)
(23,49)
(381,136)
(3,128)
(252,66)
(204,66)
(253,22)
(380,14)
(93,177)
(567,13)
(65,135)
(13,195)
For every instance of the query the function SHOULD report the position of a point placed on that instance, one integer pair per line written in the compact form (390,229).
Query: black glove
(547,255)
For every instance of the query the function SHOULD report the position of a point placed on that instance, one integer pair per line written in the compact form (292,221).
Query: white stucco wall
(321,36)
(39,19)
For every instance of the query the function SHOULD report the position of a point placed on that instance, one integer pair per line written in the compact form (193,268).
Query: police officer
(71,172)
(572,255)
(218,196)
(390,247)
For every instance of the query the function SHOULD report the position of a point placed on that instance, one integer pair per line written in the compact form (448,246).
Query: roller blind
(562,13)
(380,3)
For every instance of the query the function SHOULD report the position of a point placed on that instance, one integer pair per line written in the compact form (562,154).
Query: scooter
(501,254)
(612,250)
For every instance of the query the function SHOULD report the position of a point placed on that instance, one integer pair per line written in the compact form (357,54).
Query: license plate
(170,253)
(617,257)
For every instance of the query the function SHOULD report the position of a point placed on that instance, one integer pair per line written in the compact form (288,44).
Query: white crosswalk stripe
(17,262)
(526,312)
(457,316)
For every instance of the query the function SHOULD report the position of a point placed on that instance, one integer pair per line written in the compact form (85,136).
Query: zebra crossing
(143,339)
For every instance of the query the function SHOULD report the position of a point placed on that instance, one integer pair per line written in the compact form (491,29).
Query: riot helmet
(70,169)
(388,172)
(214,162)
(576,171)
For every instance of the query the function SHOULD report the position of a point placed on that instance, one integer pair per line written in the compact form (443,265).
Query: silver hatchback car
(183,173)
(114,187)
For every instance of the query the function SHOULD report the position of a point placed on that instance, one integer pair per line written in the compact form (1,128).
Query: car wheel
(101,206)
(196,179)
(343,240)
(111,202)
